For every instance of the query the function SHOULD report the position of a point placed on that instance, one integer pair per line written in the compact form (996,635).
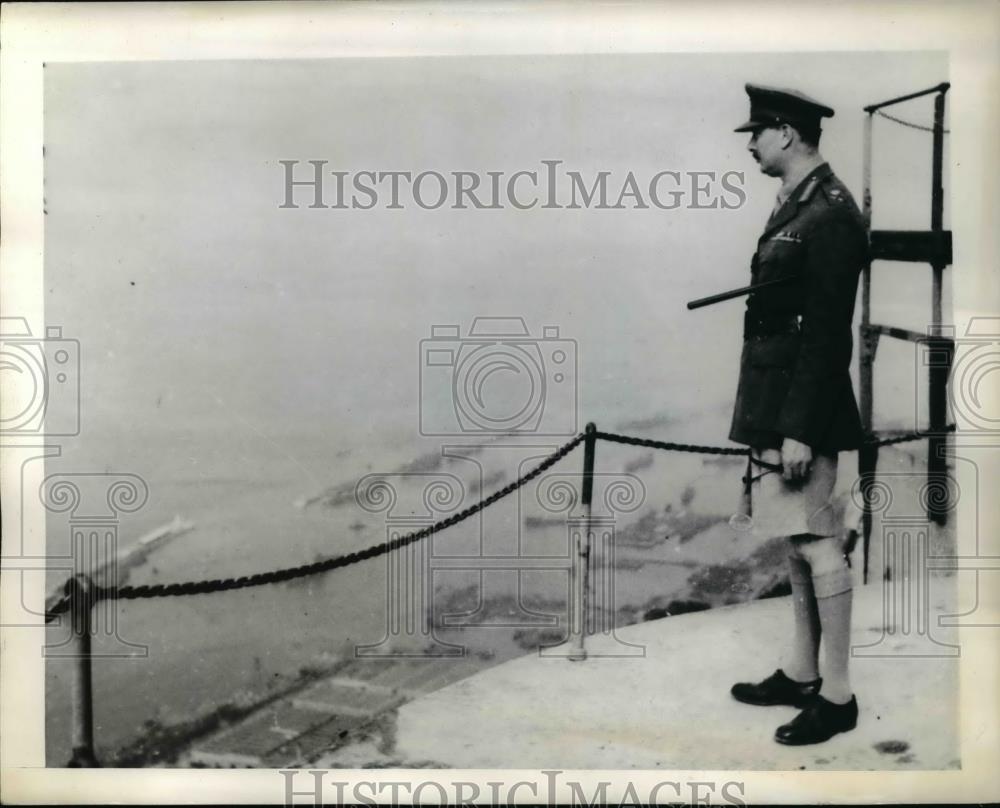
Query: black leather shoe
(818,722)
(777,689)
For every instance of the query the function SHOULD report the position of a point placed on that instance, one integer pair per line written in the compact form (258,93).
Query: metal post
(938,372)
(748,485)
(80,588)
(582,552)
(866,169)
(867,345)
(866,353)
(867,467)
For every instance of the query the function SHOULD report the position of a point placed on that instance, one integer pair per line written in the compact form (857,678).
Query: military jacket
(795,367)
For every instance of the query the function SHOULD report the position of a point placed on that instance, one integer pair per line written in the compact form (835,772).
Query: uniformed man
(795,405)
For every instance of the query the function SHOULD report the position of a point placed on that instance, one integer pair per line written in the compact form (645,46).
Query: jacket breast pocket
(781,251)
(781,262)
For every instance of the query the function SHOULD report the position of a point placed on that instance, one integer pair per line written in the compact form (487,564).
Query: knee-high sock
(803,663)
(835,618)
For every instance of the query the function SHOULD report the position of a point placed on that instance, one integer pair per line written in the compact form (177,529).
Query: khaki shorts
(779,508)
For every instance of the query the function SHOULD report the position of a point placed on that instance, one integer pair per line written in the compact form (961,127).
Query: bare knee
(828,567)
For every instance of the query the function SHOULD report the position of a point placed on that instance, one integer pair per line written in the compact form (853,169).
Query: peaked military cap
(772,106)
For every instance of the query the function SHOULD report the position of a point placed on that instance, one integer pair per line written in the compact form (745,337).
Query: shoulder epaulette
(809,190)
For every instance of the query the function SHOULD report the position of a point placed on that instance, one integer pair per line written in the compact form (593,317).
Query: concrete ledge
(671,709)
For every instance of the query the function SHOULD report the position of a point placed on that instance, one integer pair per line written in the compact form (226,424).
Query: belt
(769,326)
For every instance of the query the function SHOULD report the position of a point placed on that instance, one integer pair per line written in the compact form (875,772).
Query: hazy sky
(197,300)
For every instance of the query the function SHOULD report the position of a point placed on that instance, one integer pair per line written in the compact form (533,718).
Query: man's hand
(795,458)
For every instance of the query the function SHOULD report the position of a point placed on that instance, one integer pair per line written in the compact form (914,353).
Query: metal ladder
(922,246)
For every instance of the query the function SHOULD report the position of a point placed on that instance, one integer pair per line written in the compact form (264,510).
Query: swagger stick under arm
(708,301)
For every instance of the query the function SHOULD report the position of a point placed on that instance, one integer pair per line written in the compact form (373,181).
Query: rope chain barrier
(670,447)
(324,565)
(909,124)
(205,587)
